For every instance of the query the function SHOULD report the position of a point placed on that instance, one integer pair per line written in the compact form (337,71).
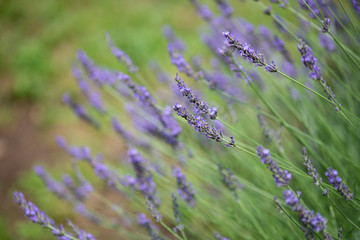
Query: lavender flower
(153,210)
(310,221)
(185,188)
(230,180)
(246,51)
(176,211)
(225,8)
(325,25)
(280,45)
(176,42)
(82,190)
(52,185)
(219,237)
(335,180)
(356,5)
(143,221)
(79,110)
(310,168)
(203,10)
(179,61)
(121,56)
(281,177)
(200,105)
(144,181)
(310,4)
(79,233)
(93,96)
(309,61)
(37,216)
(199,124)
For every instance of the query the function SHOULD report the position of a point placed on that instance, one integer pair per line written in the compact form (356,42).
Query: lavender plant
(170,186)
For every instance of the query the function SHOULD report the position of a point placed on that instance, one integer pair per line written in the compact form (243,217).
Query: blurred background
(38,45)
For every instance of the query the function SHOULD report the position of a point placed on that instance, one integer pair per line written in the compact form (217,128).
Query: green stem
(170,230)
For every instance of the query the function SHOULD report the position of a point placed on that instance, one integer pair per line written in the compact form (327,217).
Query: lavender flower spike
(199,124)
(200,105)
(248,52)
(309,61)
(311,222)
(143,221)
(356,5)
(326,25)
(37,216)
(335,180)
(310,168)
(121,56)
(281,177)
(185,188)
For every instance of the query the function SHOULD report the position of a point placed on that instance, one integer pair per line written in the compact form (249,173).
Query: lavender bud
(185,188)
(325,25)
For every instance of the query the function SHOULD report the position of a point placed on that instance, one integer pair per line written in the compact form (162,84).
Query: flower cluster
(309,219)
(200,105)
(143,221)
(143,181)
(336,181)
(246,51)
(37,216)
(281,177)
(310,168)
(309,61)
(230,180)
(199,124)
(185,188)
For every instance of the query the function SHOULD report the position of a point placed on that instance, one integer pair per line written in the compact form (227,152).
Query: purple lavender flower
(79,233)
(246,51)
(143,181)
(325,25)
(176,211)
(52,185)
(199,124)
(200,105)
(176,42)
(225,8)
(309,61)
(280,45)
(185,188)
(310,221)
(336,181)
(356,5)
(219,237)
(203,10)
(312,5)
(179,61)
(281,177)
(153,210)
(310,168)
(230,180)
(143,221)
(37,216)
(93,96)
(121,56)
(79,110)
